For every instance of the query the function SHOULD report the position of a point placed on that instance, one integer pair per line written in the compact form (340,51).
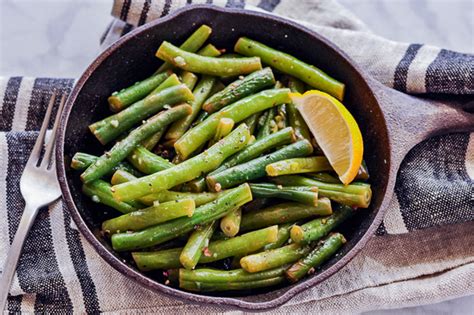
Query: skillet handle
(411,119)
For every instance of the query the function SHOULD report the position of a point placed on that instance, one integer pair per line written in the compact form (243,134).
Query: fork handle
(27,219)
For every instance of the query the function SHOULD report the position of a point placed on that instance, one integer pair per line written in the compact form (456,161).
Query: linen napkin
(430,260)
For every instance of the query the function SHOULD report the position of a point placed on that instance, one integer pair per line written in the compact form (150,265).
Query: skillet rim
(147,282)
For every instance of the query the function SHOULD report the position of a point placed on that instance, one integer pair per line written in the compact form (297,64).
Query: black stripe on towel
(9,102)
(125,9)
(14,304)
(166,8)
(401,71)
(78,257)
(451,72)
(43,88)
(239,4)
(38,271)
(144,14)
(433,187)
(107,30)
(268,5)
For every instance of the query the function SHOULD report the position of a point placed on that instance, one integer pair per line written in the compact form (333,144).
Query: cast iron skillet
(391,123)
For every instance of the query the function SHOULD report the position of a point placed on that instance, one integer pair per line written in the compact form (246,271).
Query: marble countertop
(52,38)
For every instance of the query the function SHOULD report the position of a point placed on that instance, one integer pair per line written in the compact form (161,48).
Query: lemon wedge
(335,131)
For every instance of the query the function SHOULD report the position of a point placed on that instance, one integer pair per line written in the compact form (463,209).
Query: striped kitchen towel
(59,272)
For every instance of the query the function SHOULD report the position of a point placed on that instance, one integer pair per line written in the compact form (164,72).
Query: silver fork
(39,187)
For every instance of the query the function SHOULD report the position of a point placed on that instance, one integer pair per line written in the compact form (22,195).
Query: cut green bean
(192,44)
(207,65)
(232,286)
(283,213)
(99,192)
(309,198)
(200,199)
(325,177)
(282,237)
(239,89)
(134,93)
(187,170)
(166,231)
(298,166)
(147,162)
(268,126)
(238,111)
(80,161)
(217,250)
(240,245)
(224,127)
(319,228)
(256,168)
(113,126)
(162,259)
(123,148)
(230,223)
(294,116)
(292,66)
(274,258)
(316,257)
(189,79)
(252,122)
(260,146)
(354,195)
(193,249)
(141,219)
(228,276)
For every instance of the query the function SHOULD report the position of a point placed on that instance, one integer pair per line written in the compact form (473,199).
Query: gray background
(59,38)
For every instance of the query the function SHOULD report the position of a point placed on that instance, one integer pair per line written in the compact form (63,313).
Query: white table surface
(59,38)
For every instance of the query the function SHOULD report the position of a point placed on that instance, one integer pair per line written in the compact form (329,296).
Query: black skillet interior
(134,60)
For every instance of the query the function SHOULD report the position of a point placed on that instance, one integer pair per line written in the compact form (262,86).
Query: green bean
(157,213)
(309,198)
(246,285)
(274,258)
(125,97)
(254,82)
(99,192)
(298,166)
(294,116)
(224,127)
(207,65)
(230,223)
(167,195)
(227,276)
(354,195)
(192,44)
(123,148)
(239,245)
(283,213)
(80,161)
(316,257)
(259,147)
(201,92)
(209,50)
(292,66)
(166,231)
(268,126)
(318,228)
(325,177)
(147,162)
(252,122)
(113,126)
(256,168)
(282,237)
(185,171)
(193,249)
(238,111)
(162,259)
(217,250)
(189,79)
